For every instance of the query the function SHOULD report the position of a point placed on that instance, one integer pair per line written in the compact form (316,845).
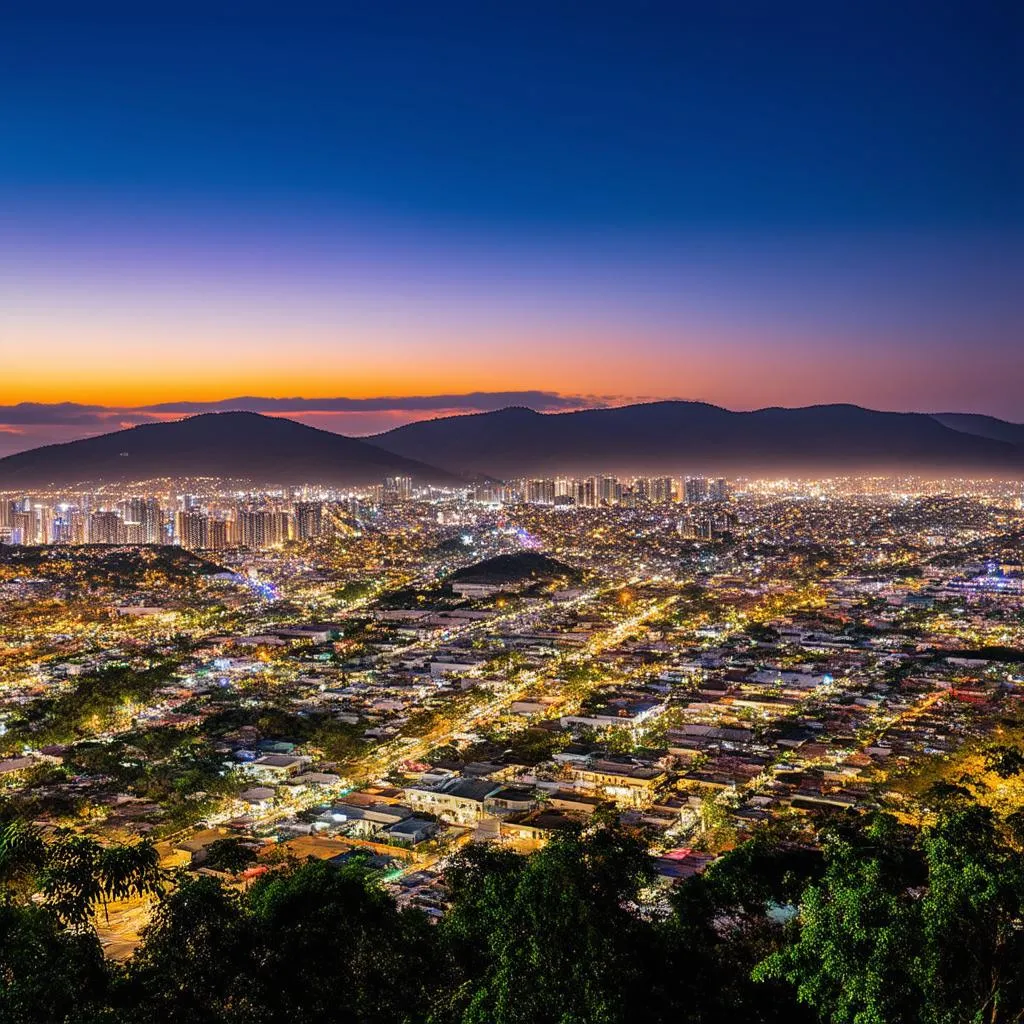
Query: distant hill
(983,426)
(658,437)
(264,449)
(523,565)
(671,437)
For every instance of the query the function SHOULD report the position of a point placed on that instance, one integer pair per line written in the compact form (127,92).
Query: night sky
(750,204)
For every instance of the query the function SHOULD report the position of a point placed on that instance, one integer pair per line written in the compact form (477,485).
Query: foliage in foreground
(885,925)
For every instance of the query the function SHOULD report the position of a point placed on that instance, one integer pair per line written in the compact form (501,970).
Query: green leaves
(854,940)
(894,926)
(22,851)
(73,874)
(552,938)
(897,934)
(972,921)
(315,942)
(90,706)
(48,975)
(79,874)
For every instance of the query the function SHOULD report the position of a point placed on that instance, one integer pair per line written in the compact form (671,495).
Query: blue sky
(748,203)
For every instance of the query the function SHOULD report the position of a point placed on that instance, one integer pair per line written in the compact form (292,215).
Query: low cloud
(48,414)
(474,401)
(75,414)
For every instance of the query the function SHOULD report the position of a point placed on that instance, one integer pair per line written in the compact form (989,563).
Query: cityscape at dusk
(512,514)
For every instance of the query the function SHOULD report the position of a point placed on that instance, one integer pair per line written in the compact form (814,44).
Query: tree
(315,942)
(336,931)
(199,962)
(229,854)
(911,927)
(22,854)
(48,975)
(728,919)
(553,938)
(886,924)
(80,875)
(1005,761)
(971,960)
(855,934)
(74,875)
(51,963)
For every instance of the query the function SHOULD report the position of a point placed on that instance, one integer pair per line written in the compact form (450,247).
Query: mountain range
(673,437)
(655,437)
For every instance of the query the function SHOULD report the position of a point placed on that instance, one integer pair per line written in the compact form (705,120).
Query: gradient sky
(747,203)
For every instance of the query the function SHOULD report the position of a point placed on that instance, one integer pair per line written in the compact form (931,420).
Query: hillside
(262,449)
(983,426)
(524,565)
(694,437)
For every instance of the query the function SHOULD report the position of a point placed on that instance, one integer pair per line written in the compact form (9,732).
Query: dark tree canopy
(880,924)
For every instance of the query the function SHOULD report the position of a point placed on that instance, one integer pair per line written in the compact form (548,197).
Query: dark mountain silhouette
(983,426)
(693,436)
(264,449)
(659,437)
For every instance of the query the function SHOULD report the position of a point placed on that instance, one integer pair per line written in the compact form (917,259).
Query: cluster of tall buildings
(133,521)
(253,527)
(267,521)
(396,488)
(606,491)
(144,520)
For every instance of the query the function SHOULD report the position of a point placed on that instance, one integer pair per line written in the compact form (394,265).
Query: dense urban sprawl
(382,680)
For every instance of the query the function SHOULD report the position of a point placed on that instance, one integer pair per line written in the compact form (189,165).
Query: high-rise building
(695,489)
(146,512)
(309,519)
(218,536)
(281,527)
(191,529)
(78,526)
(21,527)
(105,528)
(487,493)
(718,490)
(398,488)
(586,493)
(42,524)
(253,527)
(134,533)
(263,528)
(61,526)
(540,492)
(610,492)
(661,490)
